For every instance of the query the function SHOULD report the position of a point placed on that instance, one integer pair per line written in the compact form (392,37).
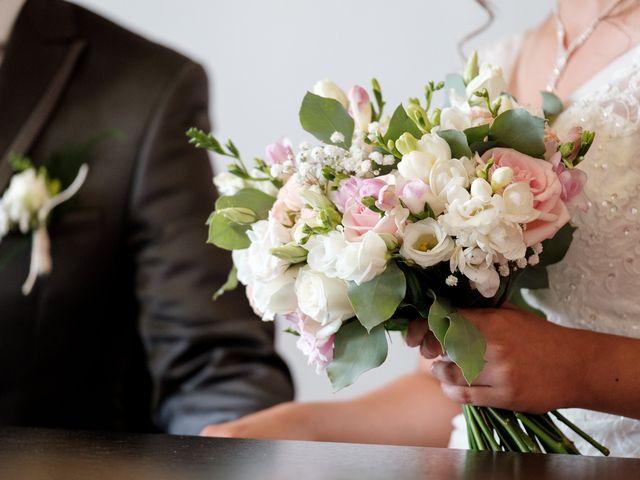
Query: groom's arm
(210,361)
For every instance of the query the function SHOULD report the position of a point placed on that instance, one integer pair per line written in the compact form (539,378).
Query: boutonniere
(26,206)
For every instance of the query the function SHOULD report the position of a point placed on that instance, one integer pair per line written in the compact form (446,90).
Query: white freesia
(501,177)
(362,261)
(478,267)
(506,239)
(426,243)
(25,197)
(455,118)
(276,296)
(228,183)
(417,164)
(491,78)
(322,298)
(328,89)
(324,251)
(443,176)
(518,203)
(262,266)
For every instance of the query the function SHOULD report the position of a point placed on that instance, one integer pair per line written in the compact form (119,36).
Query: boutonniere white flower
(26,205)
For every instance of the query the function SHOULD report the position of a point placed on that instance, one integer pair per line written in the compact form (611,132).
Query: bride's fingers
(416,332)
(430,347)
(447,372)
(480,395)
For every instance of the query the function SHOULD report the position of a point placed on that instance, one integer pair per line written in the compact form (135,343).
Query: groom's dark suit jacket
(123,334)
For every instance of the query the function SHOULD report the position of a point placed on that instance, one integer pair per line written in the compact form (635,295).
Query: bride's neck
(579,14)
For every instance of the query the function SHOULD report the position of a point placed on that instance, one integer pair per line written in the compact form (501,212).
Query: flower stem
(513,430)
(602,449)
(475,431)
(482,423)
(541,433)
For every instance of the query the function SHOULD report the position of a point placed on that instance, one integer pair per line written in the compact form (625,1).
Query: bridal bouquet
(389,218)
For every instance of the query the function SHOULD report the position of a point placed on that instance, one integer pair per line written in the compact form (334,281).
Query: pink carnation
(278,152)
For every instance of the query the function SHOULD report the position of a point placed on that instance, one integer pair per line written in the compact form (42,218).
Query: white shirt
(9,10)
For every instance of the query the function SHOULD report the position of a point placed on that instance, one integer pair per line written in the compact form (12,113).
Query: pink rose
(358,220)
(383,193)
(348,189)
(278,152)
(545,187)
(288,201)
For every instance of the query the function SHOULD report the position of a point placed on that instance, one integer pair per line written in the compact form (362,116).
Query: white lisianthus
(228,183)
(491,78)
(518,203)
(324,251)
(426,243)
(26,195)
(478,267)
(276,296)
(243,266)
(417,164)
(328,89)
(455,118)
(364,260)
(261,265)
(322,298)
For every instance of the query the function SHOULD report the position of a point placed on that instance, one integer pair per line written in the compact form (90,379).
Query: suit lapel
(40,58)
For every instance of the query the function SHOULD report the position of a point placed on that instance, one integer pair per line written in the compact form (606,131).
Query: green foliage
(321,117)
(520,130)
(471,69)
(377,94)
(554,249)
(551,105)
(377,300)
(291,253)
(19,163)
(458,337)
(201,139)
(476,135)
(230,284)
(355,352)
(248,198)
(227,234)
(401,123)
(457,142)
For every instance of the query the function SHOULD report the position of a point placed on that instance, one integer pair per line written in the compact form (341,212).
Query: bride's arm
(537,366)
(409,411)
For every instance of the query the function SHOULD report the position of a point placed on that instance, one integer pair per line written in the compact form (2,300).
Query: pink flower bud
(278,152)
(360,107)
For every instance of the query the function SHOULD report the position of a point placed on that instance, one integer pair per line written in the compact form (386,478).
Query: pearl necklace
(565,53)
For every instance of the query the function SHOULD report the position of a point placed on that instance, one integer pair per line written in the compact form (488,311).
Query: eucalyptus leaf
(520,130)
(255,200)
(401,123)
(439,319)
(551,105)
(477,134)
(230,284)
(377,300)
(519,301)
(465,346)
(457,142)
(226,234)
(321,117)
(355,352)
(533,278)
(555,249)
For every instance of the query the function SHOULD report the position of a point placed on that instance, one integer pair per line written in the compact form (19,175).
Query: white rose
(417,164)
(322,298)
(228,183)
(518,203)
(454,118)
(362,261)
(490,77)
(243,266)
(26,195)
(324,251)
(426,243)
(276,296)
(328,89)
(478,267)
(265,235)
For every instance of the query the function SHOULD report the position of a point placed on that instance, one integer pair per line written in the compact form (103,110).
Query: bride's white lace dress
(597,285)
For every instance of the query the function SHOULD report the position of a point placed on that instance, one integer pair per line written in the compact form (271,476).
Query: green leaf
(518,300)
(454,82)
(226,234)
(201,139)
(465,346)
(520,130)
(401,123)
(477,134)
(533,278)
(321,117)
(551,105)
(377,300)
(554,249)
(230,284)
(251,198)
(457,142)
(355,352)
(458,337)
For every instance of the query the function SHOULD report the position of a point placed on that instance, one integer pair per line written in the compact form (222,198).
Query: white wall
(262,55)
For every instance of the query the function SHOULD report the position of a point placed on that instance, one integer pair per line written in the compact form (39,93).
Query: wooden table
(27,454)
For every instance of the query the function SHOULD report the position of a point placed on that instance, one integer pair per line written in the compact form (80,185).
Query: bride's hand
(532,365)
